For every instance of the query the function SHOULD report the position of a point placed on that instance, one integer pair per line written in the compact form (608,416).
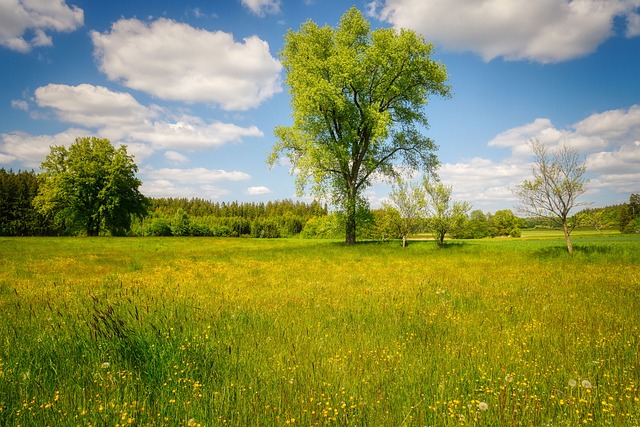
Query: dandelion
(105,365)
(572,383)
(483,406)
(586,384)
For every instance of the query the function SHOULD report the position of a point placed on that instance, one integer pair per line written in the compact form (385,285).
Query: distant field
(251,332)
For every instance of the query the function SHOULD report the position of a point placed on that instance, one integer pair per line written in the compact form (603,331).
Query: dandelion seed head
(105,365)
(572,383)
(483,406)
(586,384)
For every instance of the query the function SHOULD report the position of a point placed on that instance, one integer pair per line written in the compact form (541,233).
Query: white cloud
(257,191)
(192,134)
(204,66)
(196,175)
(166,188)
(540,30)
(262,7)
(175,158)
(20,104)
(196,182)
(119,117)
(92,106)
(610,142)
(19,18)
(483,182)
(633,24)
(31,150)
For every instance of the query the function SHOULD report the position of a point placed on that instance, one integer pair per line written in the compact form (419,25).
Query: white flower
(483,406)
(586,384)
(572,383)
(105,365)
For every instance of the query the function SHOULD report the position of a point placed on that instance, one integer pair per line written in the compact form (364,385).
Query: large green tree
(358,99)
(91,186)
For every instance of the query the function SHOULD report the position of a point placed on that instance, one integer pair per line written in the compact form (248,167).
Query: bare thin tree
(558,180)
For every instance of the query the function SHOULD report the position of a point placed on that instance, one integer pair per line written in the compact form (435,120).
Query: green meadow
(255,332)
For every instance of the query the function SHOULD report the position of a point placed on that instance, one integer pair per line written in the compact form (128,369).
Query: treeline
(285,218)
(199,217)
(17,214)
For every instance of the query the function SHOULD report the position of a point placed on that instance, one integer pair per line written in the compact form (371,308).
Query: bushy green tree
(91,186)
(358,100)
(476,227)
(388,223)
(505,223)
(443,213)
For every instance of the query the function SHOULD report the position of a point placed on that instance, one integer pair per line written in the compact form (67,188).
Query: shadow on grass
(410,243)
(556,251)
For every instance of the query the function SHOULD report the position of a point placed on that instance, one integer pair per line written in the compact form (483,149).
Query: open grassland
(198,331)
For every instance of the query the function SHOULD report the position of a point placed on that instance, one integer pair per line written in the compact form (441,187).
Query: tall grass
(278,332)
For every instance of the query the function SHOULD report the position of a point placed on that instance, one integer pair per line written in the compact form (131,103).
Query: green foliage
(91,187)
(630,215)
(158,227)
(505,223)
(197,217)
(357,101)
(322,227)
(17,215)
(265,228)
(388,224)
(443,213)
(409,200)
(476,226)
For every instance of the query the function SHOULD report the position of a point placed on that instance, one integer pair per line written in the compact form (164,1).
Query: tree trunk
(567,237)
(350,238)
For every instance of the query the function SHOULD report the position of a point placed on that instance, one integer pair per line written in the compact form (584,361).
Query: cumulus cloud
(175,158)
(192,133)
(633,24)
(23,23)
(542,30)
(262,7)
(175,61)
(119,117)
(610,142)
(196,175)
(92,106)
(167,188)
(31,150)
(195,182)
(257,191)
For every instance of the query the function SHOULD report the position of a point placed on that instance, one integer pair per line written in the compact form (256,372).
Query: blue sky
(195,89)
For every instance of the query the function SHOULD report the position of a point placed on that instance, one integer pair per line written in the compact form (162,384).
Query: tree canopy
(444,214)
(91,186)
(358,100)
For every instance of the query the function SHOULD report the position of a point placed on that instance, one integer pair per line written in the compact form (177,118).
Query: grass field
(248,332)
